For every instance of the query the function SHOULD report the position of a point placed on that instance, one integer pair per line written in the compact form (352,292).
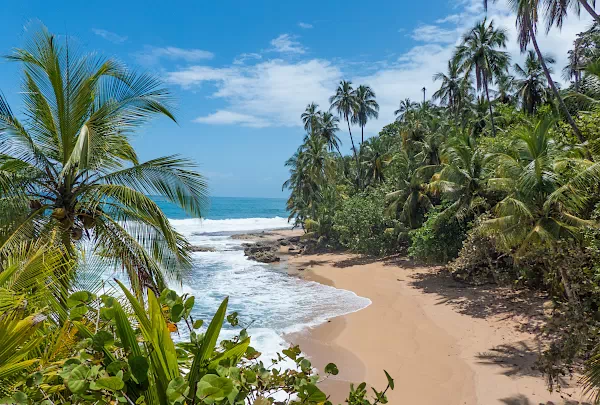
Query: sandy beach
(442,342)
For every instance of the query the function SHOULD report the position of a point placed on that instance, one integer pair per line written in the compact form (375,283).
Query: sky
(243,72)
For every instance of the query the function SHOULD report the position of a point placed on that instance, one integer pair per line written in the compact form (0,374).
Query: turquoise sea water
(231,208)
(265,296)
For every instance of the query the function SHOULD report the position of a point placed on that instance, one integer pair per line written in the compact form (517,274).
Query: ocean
(270,303)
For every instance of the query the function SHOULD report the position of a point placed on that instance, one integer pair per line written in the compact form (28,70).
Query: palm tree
(406,105)
(462,178)
(344,102)
(374,158)
(480,54)
(527,19)
(328,127)
(410,201)
(531,83)
(367,108)
(70,175)
(536,209)
(310,117)
(452,88)
(310,167)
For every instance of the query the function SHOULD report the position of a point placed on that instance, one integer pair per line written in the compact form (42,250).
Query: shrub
(439,239)
(361,226)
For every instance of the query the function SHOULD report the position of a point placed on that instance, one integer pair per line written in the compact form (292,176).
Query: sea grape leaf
(108,383)
(331,369)
(77,381)
(139,368)
(79,298)
(176,389)
(78,313)
(212,388)
(102,339)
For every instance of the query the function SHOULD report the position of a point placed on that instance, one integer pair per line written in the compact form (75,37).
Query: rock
(265,257)
(284,242)
(202,249)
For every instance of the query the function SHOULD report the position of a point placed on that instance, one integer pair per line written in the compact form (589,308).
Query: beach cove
(443,342)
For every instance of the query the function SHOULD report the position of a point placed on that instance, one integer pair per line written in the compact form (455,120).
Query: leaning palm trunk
(355,154)
(553,85)
(590,10)
(487,95)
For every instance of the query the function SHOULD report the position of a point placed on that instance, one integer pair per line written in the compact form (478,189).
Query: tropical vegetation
(496,176)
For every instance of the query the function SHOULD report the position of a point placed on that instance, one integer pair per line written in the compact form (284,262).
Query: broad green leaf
(108,383)
(176,389)
(79,298)
(313,394)
(78,313)
(139,368)
(331,369)
(77,381)
(102,339)
(198,324)
(212,388)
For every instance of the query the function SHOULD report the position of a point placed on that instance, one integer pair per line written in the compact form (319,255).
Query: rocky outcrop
(264,252)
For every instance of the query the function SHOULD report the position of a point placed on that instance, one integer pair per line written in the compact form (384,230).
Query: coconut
(59,213)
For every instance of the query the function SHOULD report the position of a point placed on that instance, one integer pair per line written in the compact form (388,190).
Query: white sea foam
(208,226)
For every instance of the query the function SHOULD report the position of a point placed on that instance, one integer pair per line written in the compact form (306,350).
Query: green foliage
(439,239)
(362,226)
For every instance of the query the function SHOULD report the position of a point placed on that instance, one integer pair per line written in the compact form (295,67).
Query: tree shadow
(516,359)
(356,261)
(484,301)
(521,399)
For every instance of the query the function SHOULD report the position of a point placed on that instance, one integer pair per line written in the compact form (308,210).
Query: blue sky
(242,72)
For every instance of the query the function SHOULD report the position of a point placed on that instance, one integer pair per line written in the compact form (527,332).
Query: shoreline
(422,329)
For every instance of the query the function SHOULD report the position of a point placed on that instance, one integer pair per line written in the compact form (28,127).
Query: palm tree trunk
(590,10)
(362,135)
(487,94)
(355,154)
(553,86)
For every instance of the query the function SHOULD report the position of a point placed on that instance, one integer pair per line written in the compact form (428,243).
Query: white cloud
(151,55)
(109,36)
(274,92)
(224,117)
(285,43)
(196,75)
(243,58)
(435,33)
(305,26)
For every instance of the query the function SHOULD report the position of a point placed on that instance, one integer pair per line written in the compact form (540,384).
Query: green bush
(439,239)
(361,226)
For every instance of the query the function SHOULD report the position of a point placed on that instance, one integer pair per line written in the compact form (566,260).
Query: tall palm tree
(452,88)
(344,102)
(531,83)
(367,108)
(527,12)
(70,176)
(480,54)
(310,117)
(405,106)
(328,127)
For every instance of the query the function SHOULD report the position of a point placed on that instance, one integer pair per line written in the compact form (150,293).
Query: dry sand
(442,342)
